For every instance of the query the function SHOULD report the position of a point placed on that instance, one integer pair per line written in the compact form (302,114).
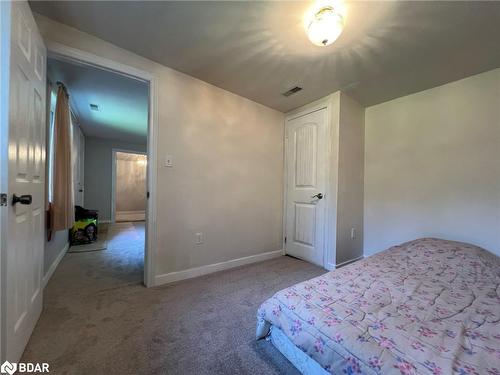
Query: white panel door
(306,185)
(78,156)
(26,181)
(81,168)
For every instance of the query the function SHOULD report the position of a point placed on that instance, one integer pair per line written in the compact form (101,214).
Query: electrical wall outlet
(199,238)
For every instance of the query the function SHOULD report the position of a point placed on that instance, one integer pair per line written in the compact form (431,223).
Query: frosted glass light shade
(324,24)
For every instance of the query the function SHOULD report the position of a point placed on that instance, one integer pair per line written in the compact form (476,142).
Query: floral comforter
(428,306)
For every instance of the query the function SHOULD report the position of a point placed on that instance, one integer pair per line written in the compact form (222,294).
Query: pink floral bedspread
(428,306)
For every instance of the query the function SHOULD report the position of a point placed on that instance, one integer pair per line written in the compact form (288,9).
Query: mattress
(428,306)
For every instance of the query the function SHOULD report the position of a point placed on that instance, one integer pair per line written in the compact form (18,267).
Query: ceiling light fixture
(324,22)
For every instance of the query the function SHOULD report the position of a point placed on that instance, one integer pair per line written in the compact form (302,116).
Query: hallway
(121,264)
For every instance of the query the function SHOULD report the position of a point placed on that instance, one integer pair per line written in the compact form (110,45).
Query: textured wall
(227,178)
(432,165)
(130,185)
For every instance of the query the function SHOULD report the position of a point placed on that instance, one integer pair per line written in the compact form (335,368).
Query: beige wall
(228,164)
(350,180)
(344,194)
(130,184)
(432,165)
(99,170)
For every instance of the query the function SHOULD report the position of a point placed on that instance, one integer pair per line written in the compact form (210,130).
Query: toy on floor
(84,230)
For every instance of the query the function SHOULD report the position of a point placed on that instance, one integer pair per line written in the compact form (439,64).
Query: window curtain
(47,149)
(62,208)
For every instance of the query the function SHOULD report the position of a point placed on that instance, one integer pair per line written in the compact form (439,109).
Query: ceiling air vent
(292,91)
(94,107)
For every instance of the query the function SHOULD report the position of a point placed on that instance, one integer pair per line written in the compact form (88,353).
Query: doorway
(61,52)
(306,168)
(109,121)
(23,282)
(129,188)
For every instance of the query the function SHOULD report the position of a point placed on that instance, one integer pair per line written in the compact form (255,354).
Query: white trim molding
(60,51)
(53,266)
(113,177)
(342,264)
(330,224)
(139,215)
(215,267)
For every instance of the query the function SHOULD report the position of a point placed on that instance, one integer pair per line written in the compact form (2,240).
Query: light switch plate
(169,161)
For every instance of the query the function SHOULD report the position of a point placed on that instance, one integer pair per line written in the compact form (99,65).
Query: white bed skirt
(302,362)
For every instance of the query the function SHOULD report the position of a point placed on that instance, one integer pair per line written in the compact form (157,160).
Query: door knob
(319,196)
(23,199)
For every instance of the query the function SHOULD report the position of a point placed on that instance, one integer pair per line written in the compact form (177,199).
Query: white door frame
(113,177)
(331,194)
(61,51)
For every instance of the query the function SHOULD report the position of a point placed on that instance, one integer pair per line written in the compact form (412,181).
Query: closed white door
(306,138)
(26,180)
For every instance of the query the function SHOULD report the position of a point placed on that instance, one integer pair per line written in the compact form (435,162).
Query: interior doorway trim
(329,224)
(63,52)
(113,177)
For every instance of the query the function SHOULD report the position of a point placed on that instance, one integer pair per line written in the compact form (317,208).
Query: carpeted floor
(99,319)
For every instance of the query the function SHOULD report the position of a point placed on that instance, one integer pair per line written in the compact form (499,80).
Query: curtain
(48,151)
(62,207)
(47,144)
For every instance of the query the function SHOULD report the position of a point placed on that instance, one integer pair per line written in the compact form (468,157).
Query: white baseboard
(130,215)
(348,262)
(54,265)
(210,268)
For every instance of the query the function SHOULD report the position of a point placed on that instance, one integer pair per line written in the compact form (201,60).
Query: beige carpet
(100,244)
(99,319)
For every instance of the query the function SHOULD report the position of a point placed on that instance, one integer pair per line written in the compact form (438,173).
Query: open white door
(23,166)
(306,186)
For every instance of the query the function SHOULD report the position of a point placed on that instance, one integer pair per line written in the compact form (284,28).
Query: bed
(428,306)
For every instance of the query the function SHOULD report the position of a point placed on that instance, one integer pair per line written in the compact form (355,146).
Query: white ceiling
(259,49)
(123,102)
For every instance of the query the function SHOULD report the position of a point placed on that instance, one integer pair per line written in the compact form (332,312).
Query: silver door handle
(319,196)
